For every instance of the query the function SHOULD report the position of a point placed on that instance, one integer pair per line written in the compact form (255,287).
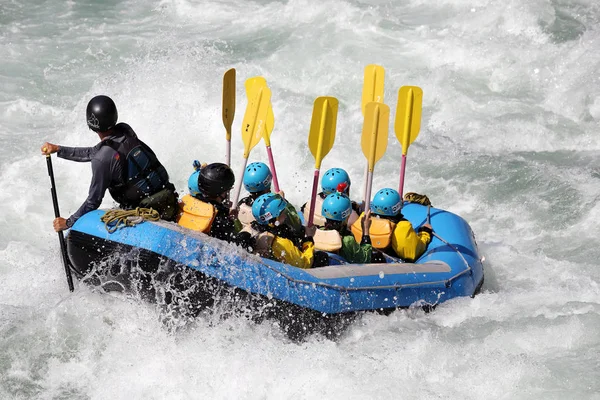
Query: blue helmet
(193,183)
(268,206)
(386,202)
(332,178)
(193,179)
(257,177)
(337,207)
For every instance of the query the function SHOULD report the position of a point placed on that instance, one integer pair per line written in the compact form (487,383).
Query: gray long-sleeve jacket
(106,172)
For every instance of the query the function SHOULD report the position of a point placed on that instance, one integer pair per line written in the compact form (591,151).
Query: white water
(509,141)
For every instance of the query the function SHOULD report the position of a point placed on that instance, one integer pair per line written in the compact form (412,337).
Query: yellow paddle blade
(375,132)
(408,115)
(372,85)
(322,128)
(254,118)
(252,84)
(228,100)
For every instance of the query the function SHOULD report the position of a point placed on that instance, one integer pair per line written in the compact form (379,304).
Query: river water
(509,141)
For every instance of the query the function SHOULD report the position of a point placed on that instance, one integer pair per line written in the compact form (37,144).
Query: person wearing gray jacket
(121,164)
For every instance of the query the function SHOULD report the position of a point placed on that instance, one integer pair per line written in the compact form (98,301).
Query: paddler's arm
(79,154)
(101,178)
(407,244)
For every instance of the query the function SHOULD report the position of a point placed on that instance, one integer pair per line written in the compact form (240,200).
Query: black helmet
(101,114)
(215,179)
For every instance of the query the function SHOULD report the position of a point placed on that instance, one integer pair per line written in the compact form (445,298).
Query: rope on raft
(117,219)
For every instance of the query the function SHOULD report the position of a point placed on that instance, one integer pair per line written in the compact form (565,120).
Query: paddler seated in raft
(329,183)
(257,181)
(273,240)
(335,237)
(390,232)
(206,208)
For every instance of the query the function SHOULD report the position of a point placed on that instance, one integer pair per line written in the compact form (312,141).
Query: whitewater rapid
(509,141)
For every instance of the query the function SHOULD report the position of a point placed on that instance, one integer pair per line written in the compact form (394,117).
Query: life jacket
(327,240)
(245,214)
(318,219)
(196,214)
(381,231)
(352,218)
(263,241)
(143,175)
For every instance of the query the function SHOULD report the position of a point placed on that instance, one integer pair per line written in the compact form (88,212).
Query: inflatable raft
(451,267)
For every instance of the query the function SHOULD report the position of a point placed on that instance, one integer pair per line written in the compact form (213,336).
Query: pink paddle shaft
(402,170)
(273,171)
(313,197)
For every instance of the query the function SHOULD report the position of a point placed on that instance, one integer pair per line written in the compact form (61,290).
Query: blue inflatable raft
(451,266)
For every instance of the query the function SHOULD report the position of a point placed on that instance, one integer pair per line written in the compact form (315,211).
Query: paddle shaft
(368,190)
(273,170)
(429,215)
(402,171)
(228,153)
(238,186)
(61,237)
(313,197)
(365,179)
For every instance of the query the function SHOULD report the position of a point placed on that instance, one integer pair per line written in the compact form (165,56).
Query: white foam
(508,141)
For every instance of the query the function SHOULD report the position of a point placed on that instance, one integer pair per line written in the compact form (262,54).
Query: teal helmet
(193,179)
(386,202)
(337,207)
(332,178)
(257,177)
(268,206)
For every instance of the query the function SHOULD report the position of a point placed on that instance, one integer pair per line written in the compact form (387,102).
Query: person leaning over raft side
(335,236)
(272,242)
(121,163)
(257,181)
(391,232)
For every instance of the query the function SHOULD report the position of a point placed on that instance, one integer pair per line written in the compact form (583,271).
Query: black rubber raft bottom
(184,293)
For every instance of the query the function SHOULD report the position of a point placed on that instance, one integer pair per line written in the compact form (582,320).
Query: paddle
(428,214)
(320,139)
(251,85)
(373,88)
(374,140)
(228,108)
(61,237)
(252,128)
(408,122)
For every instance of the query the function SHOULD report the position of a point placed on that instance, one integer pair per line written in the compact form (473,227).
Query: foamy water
(509,141)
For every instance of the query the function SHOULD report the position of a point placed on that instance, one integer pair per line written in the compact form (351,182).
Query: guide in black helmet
(121,163)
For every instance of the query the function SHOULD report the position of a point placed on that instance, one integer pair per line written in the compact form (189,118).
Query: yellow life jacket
(196,214)
(381,231)
(318,219)
(245,214)
(330,240)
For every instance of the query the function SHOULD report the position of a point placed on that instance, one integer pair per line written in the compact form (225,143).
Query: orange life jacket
(381,231)
(196,214)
